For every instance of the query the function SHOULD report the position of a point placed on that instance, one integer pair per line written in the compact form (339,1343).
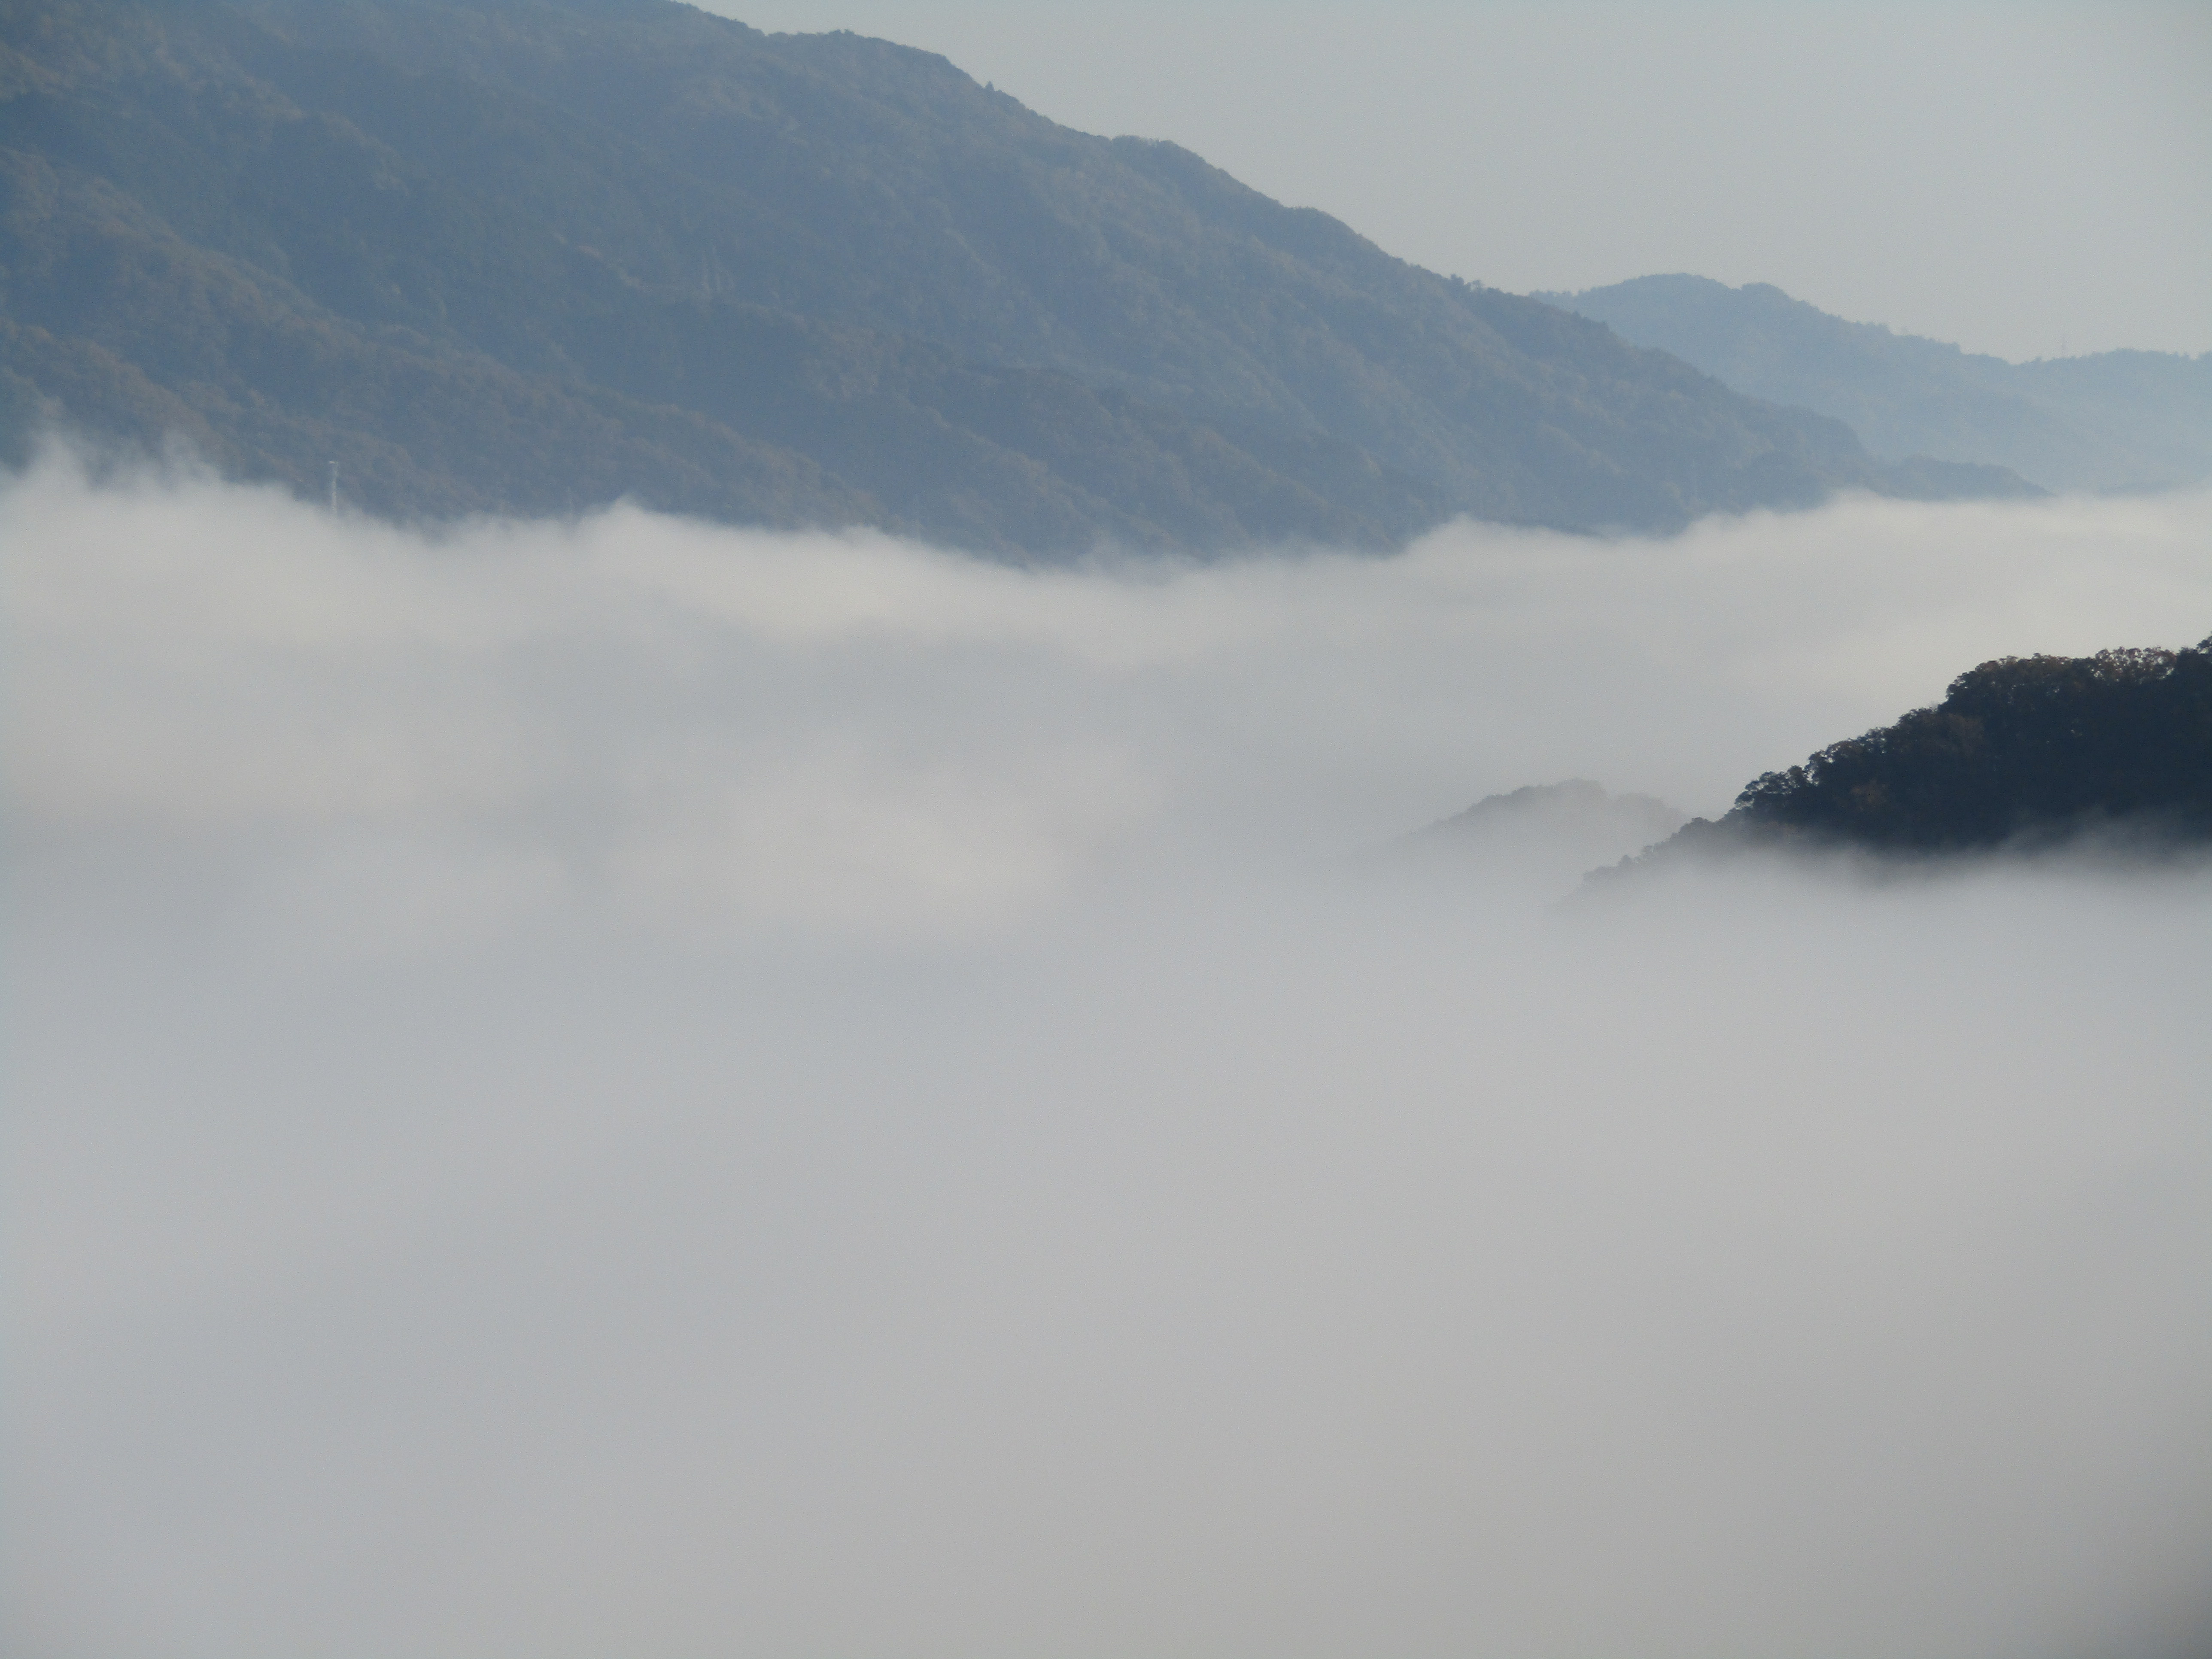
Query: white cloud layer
(632,1086)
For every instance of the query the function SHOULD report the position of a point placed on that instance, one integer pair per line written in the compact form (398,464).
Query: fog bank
(631,1085)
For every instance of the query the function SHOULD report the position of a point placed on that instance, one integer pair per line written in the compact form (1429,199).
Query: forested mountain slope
(532,254)
(2022,750)
(2119,420)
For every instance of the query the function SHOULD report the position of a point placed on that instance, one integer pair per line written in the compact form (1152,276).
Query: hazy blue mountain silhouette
(535,254)
(2119,420)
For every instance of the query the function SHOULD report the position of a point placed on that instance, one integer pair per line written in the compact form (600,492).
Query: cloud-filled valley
(630,1085)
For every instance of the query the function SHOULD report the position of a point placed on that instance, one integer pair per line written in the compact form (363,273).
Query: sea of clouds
(629,1086)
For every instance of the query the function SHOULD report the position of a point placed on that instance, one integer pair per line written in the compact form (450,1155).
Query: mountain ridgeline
(2115,421)
(533,255)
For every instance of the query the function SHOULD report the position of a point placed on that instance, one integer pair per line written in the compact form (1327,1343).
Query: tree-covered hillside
(533,254)
(2022,749)
(2119,420)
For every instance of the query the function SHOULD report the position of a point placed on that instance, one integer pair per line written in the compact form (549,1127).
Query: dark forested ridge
(534,254)
(2024,749)
(2119,420)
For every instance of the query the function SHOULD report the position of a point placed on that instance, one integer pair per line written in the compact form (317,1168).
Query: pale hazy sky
(2025,180)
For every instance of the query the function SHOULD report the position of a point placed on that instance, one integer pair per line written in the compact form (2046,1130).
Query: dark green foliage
(532,254)
(2024,751)
(2119,420)
(2024,745)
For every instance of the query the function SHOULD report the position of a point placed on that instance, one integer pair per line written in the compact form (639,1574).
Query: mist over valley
(634,1082)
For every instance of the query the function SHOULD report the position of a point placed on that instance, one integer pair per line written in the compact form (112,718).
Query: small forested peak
(2022,745)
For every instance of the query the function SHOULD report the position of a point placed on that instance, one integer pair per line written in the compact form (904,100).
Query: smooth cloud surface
(632,1086)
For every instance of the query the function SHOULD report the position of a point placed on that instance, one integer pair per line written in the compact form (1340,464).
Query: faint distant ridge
(1544,835)
(2022,751)
(1576,807)
(533,255)
(2116,420)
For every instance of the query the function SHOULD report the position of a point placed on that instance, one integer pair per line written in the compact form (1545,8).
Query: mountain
(1545,833)
(2116,420)
(2033,750)
(535,254)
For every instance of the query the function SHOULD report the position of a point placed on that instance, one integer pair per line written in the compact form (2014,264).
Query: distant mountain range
(2116,420)
(531,255)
